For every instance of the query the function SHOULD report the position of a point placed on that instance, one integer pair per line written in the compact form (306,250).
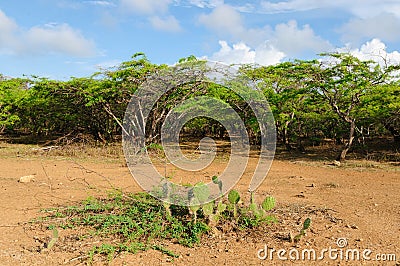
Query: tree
(380,111)
(344,81)
(12,94)
(297,109)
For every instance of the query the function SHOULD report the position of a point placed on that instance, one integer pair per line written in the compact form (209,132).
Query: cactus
(53,239)
(219,183)
(194,207)
(306,225)
(234,198)
(253,206)
(221,207)
(208,208)
(268,203)
(201,192)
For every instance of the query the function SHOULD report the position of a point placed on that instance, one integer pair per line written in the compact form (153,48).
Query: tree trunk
(286,139)
(347,146)
(395,133)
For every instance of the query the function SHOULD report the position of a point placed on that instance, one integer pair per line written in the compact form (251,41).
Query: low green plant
(218,182)
(234,198)
(306,225)
(256,214)
(53,240)
(138,222)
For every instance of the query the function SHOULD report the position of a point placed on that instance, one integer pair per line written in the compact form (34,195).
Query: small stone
(354,226)
(26,178)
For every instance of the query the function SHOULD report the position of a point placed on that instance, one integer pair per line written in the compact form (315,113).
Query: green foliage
(268,203)
(340,98)
(218,182)
(234,197)
(138,222)
(306,225)
(257,215)
(208,208)
(12,95)
(201,192)
(54,239)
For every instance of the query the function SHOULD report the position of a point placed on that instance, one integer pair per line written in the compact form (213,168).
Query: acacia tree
(344,80)
(296,108)
(13,91)
(380,111)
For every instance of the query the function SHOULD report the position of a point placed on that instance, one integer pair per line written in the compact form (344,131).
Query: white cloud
(169,23)
(360,8)
(100,3)
(153,9)
(69,4)
(267,54)
(290,6)
(60,39)
(384,26)
(287,37)
(7,29)
(50,38)
(371,8)
(206,4)
(146,7)
(6,23)
(374,50)
(240,53)
(223,19)
(294,40)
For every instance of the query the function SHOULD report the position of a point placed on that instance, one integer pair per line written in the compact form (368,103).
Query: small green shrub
(306,225)
(138,222)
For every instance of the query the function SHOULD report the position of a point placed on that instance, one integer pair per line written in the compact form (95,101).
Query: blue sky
(64,38)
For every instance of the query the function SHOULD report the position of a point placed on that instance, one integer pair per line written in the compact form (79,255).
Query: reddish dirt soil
(358,201)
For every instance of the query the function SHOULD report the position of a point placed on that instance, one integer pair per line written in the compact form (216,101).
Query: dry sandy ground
(358,204)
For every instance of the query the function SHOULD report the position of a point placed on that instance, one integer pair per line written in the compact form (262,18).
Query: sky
(60,39)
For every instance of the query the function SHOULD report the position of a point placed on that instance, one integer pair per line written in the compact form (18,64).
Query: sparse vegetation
(138,222)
